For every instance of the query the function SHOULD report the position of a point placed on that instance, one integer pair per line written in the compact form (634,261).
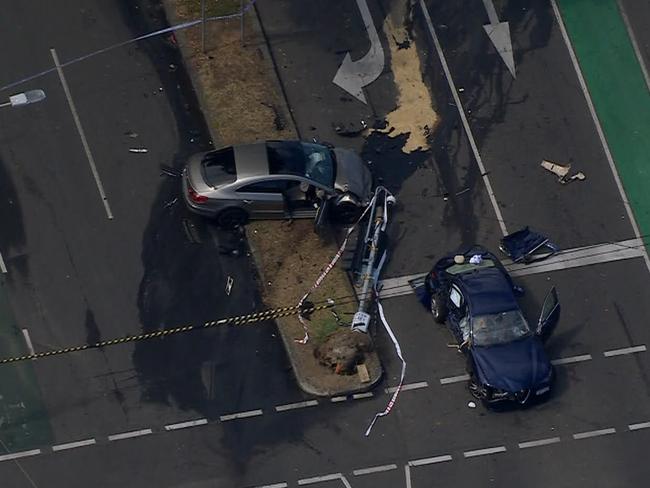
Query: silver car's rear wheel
(230,218)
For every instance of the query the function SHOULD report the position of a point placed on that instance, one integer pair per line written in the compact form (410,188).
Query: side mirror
(322,216)
(549,315)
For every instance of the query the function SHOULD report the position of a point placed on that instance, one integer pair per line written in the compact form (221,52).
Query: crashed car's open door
(549,315)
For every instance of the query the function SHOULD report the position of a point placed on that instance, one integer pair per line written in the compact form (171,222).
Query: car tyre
(231,218)
(346,213)
(438,308)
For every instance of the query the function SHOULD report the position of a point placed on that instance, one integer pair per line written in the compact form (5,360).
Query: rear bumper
(192,206)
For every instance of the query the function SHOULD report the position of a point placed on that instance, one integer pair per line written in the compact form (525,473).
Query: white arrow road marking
(499,34)
(352,76)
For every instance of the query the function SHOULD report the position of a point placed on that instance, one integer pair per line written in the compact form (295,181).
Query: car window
(313,161)
(499,328)
(455,296)
(266,186)
(218,167)
(456,269)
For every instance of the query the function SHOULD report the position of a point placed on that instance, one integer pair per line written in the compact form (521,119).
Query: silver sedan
(276,180)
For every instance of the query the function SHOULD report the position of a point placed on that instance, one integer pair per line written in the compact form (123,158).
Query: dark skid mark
(12,234)
(93,335)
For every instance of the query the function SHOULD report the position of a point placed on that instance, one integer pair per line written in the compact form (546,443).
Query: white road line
(635,45)
(582,256)
(594,433)
(484,452)
(276,485)
(430,460)
(241,415)
(338,399)
(599,129)
(129,435)
(18,455)
(410,386)
(567,259)
(623,351)
(642,425)
(293,406)
(3,268)
(185,425)
(28,340)
(320,479)
(82,134)
(375,469)
(73,445)
(407,475)
(359,396)
(454,379)
(463,118)
(539,442)
(571,359)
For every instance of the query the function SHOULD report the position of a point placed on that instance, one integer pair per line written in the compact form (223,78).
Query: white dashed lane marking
(594,433)
(407,387)
(73,445)
(18,455)
(454,379)
(275,485)
(359,396)
(539,442)
(642,425)
(625,350)
(430,460)
(484,452)
(185,425)
(571,359)
(327,477)
(338,399)
(294,406)
(129,435)
(241,415)
(375,469)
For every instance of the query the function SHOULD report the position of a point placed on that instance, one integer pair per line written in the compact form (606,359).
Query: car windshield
(313,161)
(499,328)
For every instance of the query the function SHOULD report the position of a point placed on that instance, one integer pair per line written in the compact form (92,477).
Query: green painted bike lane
(24,421)
(618,91)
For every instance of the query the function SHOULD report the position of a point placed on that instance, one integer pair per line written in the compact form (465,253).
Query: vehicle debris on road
(562,172)
(527,246)
(138,150)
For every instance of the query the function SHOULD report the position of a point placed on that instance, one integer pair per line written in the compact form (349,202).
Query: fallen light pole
(374,238)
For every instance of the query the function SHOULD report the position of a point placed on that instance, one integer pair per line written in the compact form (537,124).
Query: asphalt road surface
(224,411)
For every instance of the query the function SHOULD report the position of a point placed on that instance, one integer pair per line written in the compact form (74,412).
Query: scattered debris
(562,172)
(461,89)
(471,404)
(350,130)
(169,171)
(131,134)
(229,282)
(138,150)
(171,202)
(362,371)
(527,246)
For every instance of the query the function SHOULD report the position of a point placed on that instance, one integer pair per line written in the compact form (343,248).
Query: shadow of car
(276,180)
(474,294)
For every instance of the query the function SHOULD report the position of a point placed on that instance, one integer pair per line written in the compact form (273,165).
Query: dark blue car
(475,295)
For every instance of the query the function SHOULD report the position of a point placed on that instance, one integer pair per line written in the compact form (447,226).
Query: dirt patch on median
(242,102)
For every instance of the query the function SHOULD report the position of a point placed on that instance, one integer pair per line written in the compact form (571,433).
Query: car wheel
(438,308)
(231,218)
(346,212)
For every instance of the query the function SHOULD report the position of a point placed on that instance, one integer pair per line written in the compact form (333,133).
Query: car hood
(352,174)
(519,365)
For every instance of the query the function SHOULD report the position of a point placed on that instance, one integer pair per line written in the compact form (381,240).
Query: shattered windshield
(499,328)
(301,159)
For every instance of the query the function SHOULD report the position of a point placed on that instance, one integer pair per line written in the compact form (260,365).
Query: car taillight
(195,197)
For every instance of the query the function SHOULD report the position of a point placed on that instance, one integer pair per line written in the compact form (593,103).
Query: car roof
(487,290)
(251,160)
